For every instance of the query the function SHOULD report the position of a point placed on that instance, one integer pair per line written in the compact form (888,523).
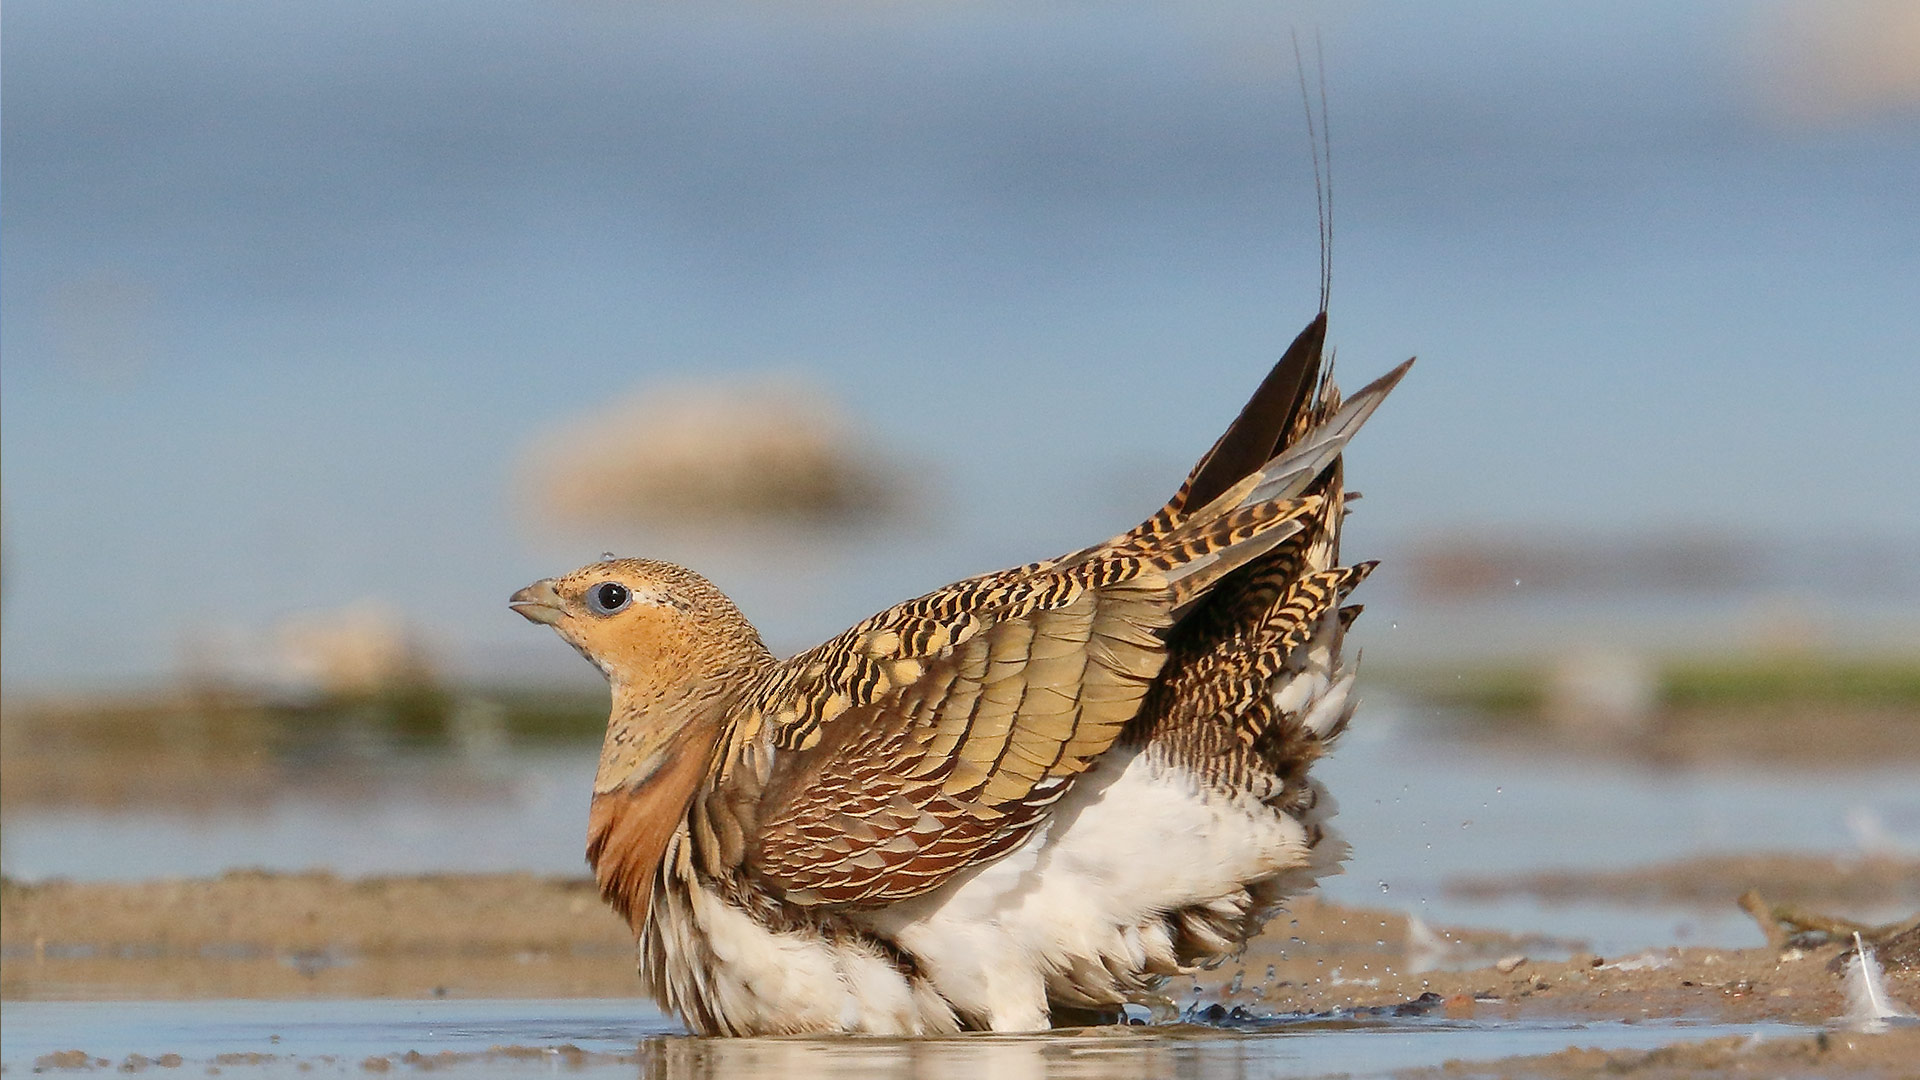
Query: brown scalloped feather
(896,793)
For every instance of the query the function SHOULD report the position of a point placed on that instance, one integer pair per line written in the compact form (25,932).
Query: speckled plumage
(1046,786)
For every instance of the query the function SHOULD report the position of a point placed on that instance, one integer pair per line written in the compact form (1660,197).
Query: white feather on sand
(1870,1008)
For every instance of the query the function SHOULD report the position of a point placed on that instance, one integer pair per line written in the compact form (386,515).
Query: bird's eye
(608,597)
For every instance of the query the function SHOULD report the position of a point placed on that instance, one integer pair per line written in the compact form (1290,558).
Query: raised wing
(935,735)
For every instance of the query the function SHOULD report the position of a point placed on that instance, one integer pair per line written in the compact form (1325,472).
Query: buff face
(632,616)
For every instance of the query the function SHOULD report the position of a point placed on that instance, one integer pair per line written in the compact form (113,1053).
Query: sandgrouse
(1030,793)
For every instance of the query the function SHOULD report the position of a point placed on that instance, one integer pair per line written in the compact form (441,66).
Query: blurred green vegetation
(1498,689)
(554,715)
(208,745)
(426,716)
(216,745)
(1697,682)
(1890,682)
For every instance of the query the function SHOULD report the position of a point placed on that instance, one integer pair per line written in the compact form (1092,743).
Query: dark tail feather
(1257,433)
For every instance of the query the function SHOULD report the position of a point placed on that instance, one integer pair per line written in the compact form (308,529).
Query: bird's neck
(658,752)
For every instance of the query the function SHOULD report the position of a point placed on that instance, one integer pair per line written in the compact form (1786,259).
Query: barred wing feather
(936,735)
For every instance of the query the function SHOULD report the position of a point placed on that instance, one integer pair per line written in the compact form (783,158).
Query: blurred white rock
(363,648)
(1840,61)
(1600,693)
(706,456)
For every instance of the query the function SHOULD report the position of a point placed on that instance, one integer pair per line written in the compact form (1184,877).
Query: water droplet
(1383,886)
(1298,940)
(1239,978)
(1499,791)
(1516,583)
(1270,972)
(1467,824)
(1393,626)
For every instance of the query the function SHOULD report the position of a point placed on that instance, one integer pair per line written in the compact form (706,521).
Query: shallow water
(618,1036)
(1418,811)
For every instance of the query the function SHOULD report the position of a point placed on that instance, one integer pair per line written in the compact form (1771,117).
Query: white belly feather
(1075,914)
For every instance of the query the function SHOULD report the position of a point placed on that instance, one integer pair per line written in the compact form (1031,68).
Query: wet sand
(261,935)
(254,934)
(1712,880)
(1836,1054)
(249,934)
(294,936)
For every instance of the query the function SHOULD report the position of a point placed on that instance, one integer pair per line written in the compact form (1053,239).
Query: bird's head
(644,623)
(676,651)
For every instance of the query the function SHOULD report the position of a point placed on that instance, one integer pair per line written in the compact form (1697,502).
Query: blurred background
(326,327)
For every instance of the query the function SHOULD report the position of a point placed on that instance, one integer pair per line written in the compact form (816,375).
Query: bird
(1015,802)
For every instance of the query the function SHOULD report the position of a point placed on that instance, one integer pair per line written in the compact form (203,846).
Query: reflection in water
(1353,1048)
(1117,1056)
(624,1040)
(1109,1053)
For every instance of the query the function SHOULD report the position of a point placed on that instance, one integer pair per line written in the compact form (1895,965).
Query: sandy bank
(516,935)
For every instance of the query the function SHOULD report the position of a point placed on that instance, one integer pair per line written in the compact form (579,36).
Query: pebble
(1507,964)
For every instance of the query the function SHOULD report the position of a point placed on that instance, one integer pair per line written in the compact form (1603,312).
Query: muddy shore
(1710,880)
(251,934)
(1890,1054)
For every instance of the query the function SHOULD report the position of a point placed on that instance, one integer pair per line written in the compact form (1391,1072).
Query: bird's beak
(539,602)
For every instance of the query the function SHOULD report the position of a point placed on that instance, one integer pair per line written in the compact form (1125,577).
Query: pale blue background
(288,290)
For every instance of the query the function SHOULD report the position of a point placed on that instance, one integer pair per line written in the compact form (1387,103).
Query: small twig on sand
(1757,909)
(1781,923)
